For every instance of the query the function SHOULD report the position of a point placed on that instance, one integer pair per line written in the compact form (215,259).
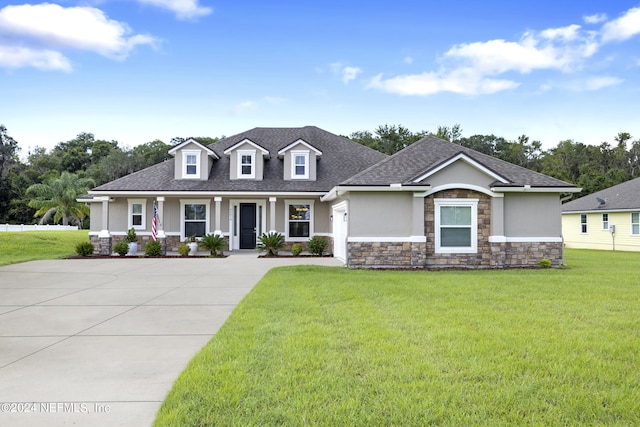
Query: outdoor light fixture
(344,217)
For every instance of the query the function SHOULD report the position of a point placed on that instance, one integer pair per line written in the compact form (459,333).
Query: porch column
(218,229)
(272,214)
(104,237)
(160,205)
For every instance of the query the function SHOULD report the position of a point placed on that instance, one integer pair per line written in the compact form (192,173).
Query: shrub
(271,243)
(214,243)
(296,248)
(183,249)
(316,245)
(153,248)
(544,263)
(131,236)
(84,248)
(121,248)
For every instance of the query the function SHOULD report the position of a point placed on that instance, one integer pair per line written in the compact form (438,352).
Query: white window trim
(631,223)
(183,202)
(473,204)
(288,203)
(132,202)
(295,153)
(186,153)
(586,223)
(251,153)
(605,223)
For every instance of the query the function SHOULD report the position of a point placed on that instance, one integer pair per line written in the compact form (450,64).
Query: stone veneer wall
(483,256)
(525,254)
(386,254)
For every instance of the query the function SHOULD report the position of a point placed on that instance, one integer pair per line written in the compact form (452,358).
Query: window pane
(455,215)
(635,217)
(299,212)
(194,229)
(136,208)
(191,169)
(191,159)
(456,237)
(195,212)
(635,229)
(136,220)
(246,170)
(298,229)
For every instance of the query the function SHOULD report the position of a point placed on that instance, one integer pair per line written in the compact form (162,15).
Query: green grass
(36,245)
(331,346)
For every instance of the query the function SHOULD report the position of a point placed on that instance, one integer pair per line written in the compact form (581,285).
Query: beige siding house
(608,219)
(434,204)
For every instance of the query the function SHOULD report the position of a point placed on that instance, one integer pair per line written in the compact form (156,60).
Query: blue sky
(139,70)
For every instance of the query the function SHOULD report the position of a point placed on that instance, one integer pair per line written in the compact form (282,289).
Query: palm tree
(58,198)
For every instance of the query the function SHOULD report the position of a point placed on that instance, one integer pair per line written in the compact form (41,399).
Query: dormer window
(246,164)
(191,161)
(300,165)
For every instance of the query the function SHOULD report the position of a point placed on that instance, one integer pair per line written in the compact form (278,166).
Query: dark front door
(247,225)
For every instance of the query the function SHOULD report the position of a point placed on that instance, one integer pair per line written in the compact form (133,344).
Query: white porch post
(272,214)
(104,232)
(160,207)
(218,229)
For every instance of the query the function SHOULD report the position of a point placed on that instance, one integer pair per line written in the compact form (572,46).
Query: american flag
(154,223)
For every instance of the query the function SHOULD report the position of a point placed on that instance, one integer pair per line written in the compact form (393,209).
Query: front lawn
(36,245)
(332,346)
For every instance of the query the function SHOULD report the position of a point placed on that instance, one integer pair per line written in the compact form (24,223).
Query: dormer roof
(188,141)
(264,151)
(299,141)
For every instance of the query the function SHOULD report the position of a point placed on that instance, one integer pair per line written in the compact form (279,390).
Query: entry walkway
(100,342)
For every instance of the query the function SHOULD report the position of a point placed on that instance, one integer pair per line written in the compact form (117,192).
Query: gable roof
(264,151)
(625,196)
(172,151)
(282,151)
(341,158)
(427,155)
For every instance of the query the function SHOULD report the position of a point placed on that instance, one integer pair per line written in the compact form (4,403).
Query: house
(433,204)
(608,219)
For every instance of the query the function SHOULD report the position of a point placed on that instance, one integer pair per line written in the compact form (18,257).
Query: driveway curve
(100,341)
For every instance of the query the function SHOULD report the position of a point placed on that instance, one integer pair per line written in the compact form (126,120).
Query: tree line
(43,187)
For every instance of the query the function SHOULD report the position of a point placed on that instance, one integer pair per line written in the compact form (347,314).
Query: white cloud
(18,57)
(476,68)
(595,19)
(184,9)
(345,72)
(45,29)
(244,107)
(596,83)
(461,81)
(408,60)
(622,28)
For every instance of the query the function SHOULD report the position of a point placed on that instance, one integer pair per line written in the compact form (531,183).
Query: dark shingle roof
(621,196)
(341,158)
(430,152)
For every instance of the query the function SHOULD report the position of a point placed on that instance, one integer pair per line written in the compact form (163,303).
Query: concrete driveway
(100,341)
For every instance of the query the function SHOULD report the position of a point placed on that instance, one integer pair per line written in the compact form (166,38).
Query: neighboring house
(434,204)
(608,219)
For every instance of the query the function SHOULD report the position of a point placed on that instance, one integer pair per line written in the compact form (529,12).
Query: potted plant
(214,243)
(132,239)
(193,245)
